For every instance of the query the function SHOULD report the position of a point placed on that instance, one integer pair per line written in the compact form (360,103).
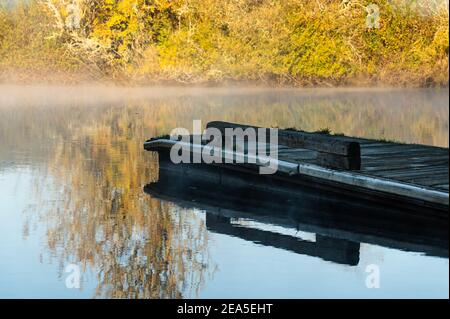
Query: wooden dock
(409,175)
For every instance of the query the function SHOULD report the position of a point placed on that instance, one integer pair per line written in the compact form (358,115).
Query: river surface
(72,199)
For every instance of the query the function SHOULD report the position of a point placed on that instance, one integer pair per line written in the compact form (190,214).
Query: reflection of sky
(245,269)
(22,273)
(249,270)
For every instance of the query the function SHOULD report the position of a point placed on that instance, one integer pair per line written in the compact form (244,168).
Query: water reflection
(83,148)
(139,246)
(327,248)
(234,202)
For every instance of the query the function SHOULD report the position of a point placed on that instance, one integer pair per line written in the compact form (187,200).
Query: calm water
(72,173)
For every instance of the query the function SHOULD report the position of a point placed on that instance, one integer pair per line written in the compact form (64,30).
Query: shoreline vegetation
(277,43)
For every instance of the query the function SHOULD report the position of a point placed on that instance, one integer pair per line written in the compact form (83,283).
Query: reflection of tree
(141,247)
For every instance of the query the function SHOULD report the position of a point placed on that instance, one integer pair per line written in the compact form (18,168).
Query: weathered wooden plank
(398,166)
(323,159)
(407,157)
(333,151)
(297,139)
(429,180)
(394,166)
(296,151)
(365,142)
(298,157)
(441,169)
(375,144)
(400,150)
(402,157)
(405,161)
(402,154)
(423,180)
(338,161)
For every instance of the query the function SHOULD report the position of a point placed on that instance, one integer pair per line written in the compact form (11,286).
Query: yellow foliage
(270,41)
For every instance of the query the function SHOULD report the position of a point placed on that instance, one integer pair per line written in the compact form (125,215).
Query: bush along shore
(267,42)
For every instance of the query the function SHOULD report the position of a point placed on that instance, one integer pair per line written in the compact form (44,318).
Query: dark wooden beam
(333,151)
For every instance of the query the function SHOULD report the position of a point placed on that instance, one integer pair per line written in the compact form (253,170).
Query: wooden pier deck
(376,170)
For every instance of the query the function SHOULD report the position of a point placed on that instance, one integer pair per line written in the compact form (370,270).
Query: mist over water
(72,172)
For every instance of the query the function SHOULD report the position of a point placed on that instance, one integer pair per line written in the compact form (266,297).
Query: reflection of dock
(340,222)
(402,175)
(332,249)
